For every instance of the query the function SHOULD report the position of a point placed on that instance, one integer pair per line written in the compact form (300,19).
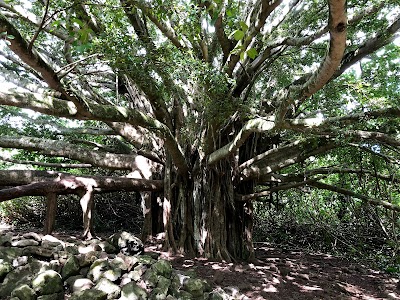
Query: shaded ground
(293,274)
(284,274)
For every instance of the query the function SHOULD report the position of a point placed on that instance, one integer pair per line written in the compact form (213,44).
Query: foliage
(298,98)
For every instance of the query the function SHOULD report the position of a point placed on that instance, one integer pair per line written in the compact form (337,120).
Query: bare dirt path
(293,274)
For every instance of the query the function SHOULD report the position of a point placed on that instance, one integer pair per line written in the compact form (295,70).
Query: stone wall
(33,266)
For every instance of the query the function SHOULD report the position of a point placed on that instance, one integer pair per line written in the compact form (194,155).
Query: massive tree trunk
(201,214)
(204,218)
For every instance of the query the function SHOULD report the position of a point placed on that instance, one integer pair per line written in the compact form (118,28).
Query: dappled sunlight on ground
(281,273)
(292,274)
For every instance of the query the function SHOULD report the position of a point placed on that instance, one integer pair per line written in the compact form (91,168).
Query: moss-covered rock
(194,286)
(113,274)
(113,291)
(10,253)
(146,260)
(57,296)
(163,284)
(91,294)
(150,277)
(163,268)
(71,267)
(24,292)
(132,291)
(97,269)
(5,268)
(14,279)
(127,243)
(158,294)
(47,282)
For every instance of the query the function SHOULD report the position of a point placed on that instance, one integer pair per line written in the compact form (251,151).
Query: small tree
(210,101)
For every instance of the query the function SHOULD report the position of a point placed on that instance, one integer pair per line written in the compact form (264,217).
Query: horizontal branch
(44,164)
(41,183)
(71,151)
(279,160)
(367,199)
(106,113)
(392,112)
(256,125)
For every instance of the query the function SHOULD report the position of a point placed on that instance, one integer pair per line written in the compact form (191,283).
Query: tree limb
(367,199)
(107,113)
(382,39)
(64,183)
(71,151)
(255,125)
(43,164)
(337,25)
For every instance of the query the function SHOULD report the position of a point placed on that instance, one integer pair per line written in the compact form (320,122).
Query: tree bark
(147,230)
(51,210)
(87,204)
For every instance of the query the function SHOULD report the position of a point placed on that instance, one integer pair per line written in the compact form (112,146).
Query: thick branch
(255,125)
(107,113)
(63,183)
(367,199)
(276,161)
(71,151)
(29,56)
(266,8)
(299,124)
(337,29)
(382,39)
(43,164)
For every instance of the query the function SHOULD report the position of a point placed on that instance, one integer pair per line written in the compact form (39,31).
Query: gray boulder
(47,282)
(113,291)
(39,251)
(32,235)
(70,268)
(5,239)
(5,268)
(79,283)
(24,243)
(89,294)
(24,292)
(126,243)
(132,291)
(97,269)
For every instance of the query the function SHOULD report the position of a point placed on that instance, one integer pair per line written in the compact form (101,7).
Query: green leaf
(238,35)
(10,37)
(244,26)
(242,56)
(252,53)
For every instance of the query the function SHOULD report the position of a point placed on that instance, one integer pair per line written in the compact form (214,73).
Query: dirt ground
(293,274)
(283,274)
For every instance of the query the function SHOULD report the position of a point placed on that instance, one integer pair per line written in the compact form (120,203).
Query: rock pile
(39,267)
